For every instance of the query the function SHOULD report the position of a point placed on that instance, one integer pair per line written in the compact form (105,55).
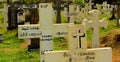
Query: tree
(118,11)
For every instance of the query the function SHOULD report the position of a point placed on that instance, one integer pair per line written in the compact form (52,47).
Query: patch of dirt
(112,39)
(116,58)
(24,45)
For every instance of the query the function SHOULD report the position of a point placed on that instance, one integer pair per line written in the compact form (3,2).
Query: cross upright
(94,23)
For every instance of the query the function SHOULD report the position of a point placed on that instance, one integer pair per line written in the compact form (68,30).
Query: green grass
(10,50)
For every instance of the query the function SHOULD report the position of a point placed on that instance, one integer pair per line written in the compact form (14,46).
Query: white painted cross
(77,53)
(45,30)
(73,12)
(105,5)
(90,5)
(94,23)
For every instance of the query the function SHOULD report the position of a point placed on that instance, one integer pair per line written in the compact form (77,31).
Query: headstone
(105,9)
(12,17)
(45,30)
(77,51)
(94,23)
(105,5)
(1,38)
(90,5)
(73,13)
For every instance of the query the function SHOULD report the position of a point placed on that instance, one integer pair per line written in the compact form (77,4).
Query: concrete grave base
(78,55)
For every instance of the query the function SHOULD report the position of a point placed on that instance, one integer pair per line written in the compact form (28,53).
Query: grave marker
(94,23)
(45,30)
(71,14)
(105,5)
(12,21)
(74,13)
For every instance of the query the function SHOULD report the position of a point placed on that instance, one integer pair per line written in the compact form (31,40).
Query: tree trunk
(58,8)
(113,14)
(118,15)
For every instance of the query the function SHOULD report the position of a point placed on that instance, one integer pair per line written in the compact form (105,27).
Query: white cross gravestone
(45,30)
(73,12)
(105,5)
(90,5)
(94,23)
(77,51)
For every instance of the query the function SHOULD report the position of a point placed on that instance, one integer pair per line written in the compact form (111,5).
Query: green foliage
(10,50)
(30,1)
(79,2)
(117,1)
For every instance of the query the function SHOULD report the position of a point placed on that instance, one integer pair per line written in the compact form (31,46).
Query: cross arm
(29,31)
(89,24)
(60,30)
(103,23)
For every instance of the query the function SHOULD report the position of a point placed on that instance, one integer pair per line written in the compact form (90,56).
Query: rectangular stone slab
(78,55)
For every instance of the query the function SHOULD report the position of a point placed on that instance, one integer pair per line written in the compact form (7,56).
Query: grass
(10,50)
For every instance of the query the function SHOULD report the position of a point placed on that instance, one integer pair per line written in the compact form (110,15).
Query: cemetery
(59,31)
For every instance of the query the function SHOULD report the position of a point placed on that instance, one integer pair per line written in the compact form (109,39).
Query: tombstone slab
(90,55)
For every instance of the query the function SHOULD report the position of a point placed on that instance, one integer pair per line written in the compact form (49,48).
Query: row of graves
(75,33)
(23,15)
(75,11)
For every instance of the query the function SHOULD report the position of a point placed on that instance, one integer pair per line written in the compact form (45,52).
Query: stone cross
(73,12)
(45,30)
(90,5)
(105,5)
(76,53)
(94,23)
